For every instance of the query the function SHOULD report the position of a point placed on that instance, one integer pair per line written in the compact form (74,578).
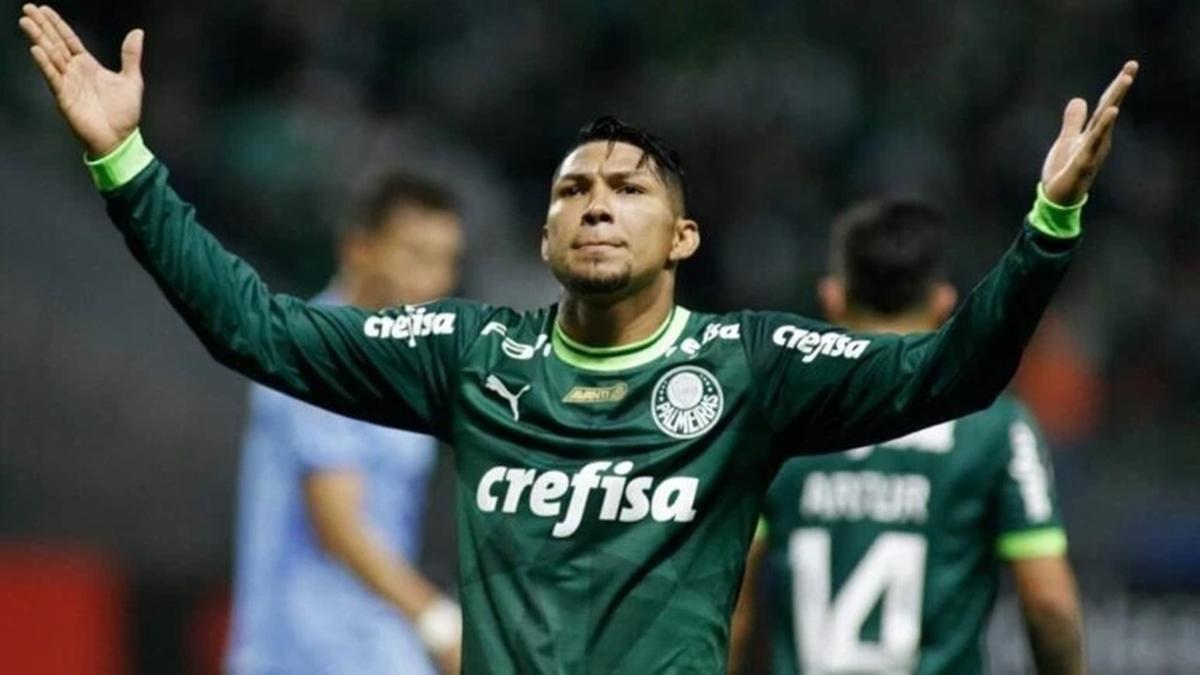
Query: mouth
(589,246)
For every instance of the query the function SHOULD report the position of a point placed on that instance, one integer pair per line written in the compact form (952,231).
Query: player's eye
(570,191)
(631,189)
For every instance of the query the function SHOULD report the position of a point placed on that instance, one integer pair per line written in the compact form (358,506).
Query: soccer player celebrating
(916,526)
(612,450)
(324,499)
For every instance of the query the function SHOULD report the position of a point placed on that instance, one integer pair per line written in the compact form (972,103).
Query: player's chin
(596,279)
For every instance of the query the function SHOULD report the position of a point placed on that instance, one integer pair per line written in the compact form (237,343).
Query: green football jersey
(606,498)
(885,559)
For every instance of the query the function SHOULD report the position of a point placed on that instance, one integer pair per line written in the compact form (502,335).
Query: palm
(102,106)
(1083,144)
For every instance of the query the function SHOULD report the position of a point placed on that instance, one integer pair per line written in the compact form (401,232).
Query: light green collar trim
(623,356)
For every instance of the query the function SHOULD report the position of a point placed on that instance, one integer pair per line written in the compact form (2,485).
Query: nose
(597,212)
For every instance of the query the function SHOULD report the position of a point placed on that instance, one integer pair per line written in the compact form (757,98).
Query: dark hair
(376,197)
(889,254)
(667,163)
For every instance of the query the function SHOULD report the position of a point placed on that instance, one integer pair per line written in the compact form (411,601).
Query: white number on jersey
(828,629)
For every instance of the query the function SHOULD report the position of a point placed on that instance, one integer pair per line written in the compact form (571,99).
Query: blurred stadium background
(118,435)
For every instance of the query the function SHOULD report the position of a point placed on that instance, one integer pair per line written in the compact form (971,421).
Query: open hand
(1080,149)
(102,107)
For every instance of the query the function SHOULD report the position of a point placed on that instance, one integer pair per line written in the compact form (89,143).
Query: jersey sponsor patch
(609,394)
(415,323)
(687,402)
(713,331)
(813,344)
(1027,470)
(514,349)
(623,498)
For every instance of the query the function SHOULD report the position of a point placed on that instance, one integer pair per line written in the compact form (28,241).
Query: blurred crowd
(117,430)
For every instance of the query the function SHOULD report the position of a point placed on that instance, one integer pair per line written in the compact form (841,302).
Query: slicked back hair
(889,253)
(663,159)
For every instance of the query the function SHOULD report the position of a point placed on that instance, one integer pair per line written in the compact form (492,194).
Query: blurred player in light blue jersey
(330,508)
(886,559)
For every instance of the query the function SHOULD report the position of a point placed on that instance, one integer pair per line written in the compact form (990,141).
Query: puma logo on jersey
(623,498)
(416,323)
(493,383)
(813,344)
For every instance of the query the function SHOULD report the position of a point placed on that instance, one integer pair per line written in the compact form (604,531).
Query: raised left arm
(822,389)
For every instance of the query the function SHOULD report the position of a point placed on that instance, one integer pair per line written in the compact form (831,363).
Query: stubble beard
(593,280)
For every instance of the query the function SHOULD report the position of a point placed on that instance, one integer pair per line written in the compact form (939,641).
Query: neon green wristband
(1054,220)
(122,164)
(1047,541)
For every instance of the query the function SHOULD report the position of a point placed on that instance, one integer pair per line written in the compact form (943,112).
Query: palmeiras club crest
(687,402)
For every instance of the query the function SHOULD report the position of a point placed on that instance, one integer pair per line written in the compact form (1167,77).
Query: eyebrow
(613,174)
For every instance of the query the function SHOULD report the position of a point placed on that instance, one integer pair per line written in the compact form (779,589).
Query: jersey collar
(607,359)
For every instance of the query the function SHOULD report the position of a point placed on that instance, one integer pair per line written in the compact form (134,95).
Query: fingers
(1073,118)
(1085,163)
(31,30)
(41,56)
(49,70)
(70,39)
(131,53)
(1100,137)
(47,37)
(1104,120)
(38,37)
(1115,93)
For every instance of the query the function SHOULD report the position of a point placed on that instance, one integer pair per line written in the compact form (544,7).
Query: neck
(604,322)
(913,322)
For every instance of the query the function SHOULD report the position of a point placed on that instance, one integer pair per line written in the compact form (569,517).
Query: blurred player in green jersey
(885,559)
(612,450)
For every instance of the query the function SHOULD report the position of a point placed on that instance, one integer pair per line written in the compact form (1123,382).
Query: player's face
(613,226)
(412,258)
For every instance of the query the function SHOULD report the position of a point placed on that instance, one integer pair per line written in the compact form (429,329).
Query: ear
(941,306)
(545,243)
(687,240)
(832,294)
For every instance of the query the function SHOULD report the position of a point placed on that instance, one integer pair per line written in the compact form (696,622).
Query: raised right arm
(394,367)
